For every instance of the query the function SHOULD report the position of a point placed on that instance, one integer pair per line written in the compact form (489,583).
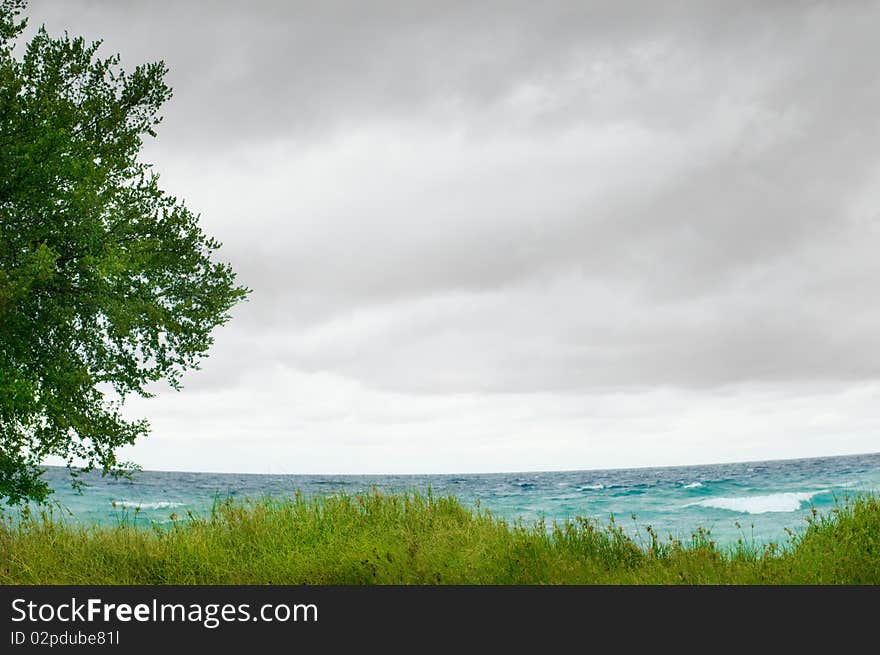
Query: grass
(413,538)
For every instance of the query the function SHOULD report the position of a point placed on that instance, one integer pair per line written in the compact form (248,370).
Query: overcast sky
(497,236)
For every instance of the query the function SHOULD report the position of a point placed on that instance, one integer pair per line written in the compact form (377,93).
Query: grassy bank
(418,539)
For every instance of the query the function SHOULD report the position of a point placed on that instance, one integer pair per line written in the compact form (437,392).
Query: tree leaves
(106,281)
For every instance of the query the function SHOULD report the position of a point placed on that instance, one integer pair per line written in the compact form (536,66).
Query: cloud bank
(472,228)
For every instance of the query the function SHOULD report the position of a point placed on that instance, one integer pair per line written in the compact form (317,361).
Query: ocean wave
(161,504)
(591,487)
(782,502)
(692,485)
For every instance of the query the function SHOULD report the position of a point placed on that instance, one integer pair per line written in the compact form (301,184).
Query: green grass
(414,538)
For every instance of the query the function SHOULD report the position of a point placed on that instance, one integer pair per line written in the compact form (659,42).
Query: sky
(518,236)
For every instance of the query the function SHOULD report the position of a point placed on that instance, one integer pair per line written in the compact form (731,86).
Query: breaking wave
(162,504)
(781,502)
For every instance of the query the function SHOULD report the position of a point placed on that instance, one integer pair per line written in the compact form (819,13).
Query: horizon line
(512,472)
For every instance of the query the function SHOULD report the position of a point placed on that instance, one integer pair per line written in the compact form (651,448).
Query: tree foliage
(107,283)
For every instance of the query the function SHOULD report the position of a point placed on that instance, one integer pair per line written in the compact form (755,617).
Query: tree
(107,283)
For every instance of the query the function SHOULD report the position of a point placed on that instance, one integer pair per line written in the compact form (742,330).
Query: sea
(756,502)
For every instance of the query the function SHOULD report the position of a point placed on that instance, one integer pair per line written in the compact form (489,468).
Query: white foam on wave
(789,501)
(591,487)
(692,485)
(162,504)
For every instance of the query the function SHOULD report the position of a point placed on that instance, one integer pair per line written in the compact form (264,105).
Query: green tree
(107,283)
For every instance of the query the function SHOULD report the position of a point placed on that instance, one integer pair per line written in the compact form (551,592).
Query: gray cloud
(520,197)
(246,71)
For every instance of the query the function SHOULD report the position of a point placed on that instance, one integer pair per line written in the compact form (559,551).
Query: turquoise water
(763,497)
